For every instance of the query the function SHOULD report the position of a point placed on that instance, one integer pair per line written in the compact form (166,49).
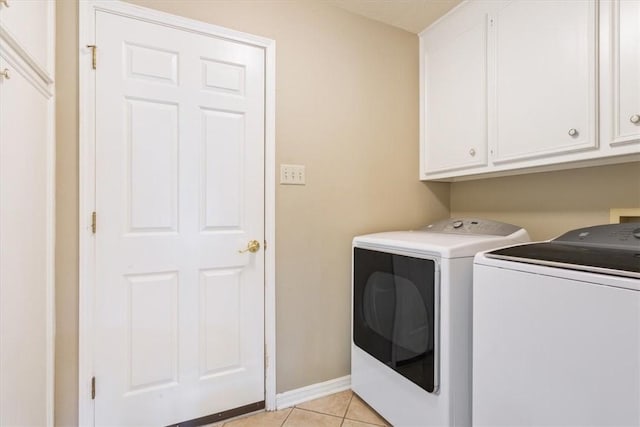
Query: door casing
(87,176)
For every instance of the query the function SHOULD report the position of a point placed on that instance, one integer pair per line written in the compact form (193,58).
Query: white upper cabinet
(29,23)
(515,86)
(545,86)
(455,93)
(621,73)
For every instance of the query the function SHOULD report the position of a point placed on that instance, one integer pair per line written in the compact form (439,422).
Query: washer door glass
(394,312)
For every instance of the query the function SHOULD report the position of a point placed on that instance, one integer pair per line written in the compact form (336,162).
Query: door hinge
(265,245)
(93,222)
(93,388)
(93,48)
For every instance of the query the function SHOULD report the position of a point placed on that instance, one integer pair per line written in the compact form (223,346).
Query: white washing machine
(411,324)
(556,331)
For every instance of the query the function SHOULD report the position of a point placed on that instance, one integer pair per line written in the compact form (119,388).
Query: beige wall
(347,108)
(66,370)
(548,204)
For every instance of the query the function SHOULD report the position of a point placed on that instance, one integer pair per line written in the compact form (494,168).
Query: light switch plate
(292,175)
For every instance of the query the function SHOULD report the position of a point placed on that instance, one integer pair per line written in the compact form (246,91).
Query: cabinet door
(626,72)
(24,256)
(29,23)
(545,88)
(454,75)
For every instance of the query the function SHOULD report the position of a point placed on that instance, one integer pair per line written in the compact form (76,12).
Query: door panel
(219,317)
(152,170)
(179,191)
(456,98)
(222,170)
(545,78)
(152,330)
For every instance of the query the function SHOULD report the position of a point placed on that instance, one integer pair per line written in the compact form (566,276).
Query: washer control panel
(620,236)
(472,226)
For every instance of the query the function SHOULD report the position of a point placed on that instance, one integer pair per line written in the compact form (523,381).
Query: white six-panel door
(179,310)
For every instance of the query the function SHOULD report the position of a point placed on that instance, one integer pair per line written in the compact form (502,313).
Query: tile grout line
(344,417)
(287,417)
(317,412)
(385,422)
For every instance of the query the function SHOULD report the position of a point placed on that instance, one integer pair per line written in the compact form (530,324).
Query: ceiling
(410,15)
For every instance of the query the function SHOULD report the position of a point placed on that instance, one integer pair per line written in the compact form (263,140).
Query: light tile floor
(343,409)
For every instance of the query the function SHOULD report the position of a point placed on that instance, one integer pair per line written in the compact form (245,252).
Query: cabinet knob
(635,119)
(5,74)
(573,132)
(472,152)
(5,3)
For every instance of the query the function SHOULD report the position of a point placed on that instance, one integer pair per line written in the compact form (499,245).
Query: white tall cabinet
(26,212)
(515,86)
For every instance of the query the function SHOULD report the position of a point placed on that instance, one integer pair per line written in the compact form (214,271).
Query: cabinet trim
(10,40)
(18,64)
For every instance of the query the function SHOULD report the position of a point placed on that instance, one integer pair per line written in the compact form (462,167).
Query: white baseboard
(313,391)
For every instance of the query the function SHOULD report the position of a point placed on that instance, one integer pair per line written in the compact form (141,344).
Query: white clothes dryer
(556,331)
(411,319)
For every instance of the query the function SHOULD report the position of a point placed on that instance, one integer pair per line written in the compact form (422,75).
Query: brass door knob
(253,247)
(5,74)
(5,3)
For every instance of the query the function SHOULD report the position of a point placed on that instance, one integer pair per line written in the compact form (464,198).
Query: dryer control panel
(475,226)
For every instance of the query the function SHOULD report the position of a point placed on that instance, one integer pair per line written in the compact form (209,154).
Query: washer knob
(636,233)
(457,224)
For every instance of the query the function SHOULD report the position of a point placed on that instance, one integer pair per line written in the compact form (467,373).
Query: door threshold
(221,416)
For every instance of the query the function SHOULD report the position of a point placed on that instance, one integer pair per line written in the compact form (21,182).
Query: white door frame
(87,13)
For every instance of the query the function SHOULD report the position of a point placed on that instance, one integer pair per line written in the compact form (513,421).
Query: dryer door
(394,313)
